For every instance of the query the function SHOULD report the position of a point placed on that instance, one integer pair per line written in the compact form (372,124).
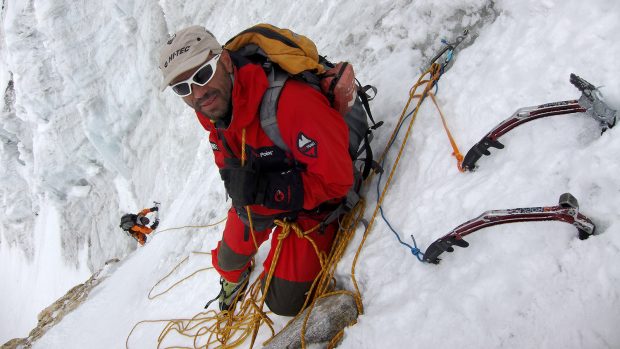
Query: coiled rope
(228,329)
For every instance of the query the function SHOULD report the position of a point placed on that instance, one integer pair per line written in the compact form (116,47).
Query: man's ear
(226,61)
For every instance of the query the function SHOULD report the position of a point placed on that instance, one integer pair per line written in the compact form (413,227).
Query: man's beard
(215,114)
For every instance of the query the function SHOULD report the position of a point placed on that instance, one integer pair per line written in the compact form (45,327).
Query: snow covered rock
(329,316)
(51,315)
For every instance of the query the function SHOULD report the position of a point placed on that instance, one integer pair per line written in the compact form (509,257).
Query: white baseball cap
(186,49)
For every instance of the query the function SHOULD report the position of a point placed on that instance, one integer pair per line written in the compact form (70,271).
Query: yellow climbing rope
(247,208)
(151,297)
(194,226)
(433,73)
(173,324)
(228,329)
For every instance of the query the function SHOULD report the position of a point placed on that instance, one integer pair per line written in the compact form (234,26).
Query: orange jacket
(137,228)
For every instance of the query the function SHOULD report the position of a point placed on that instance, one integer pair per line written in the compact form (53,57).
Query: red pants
(297,266)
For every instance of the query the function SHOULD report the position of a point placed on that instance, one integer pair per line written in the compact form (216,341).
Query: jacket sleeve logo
(307,145)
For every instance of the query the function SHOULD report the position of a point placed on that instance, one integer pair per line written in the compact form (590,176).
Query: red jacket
(304,116)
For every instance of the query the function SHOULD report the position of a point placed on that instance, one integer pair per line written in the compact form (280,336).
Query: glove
(241,183)
(155,224)
(281,190)
(154,208)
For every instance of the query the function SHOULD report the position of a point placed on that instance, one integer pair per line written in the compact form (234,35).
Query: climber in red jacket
(302,185)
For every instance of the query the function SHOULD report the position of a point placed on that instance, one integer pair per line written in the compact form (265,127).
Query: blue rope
(450,52)
(413,249)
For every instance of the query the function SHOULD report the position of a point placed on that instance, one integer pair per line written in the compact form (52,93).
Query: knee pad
(284,297)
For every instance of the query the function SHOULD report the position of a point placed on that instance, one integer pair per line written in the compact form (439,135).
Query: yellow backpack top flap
(292,52)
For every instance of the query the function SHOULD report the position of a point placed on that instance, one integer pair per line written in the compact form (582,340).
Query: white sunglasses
(201,77)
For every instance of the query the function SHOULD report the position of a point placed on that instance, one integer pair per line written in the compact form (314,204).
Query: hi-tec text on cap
(176,54)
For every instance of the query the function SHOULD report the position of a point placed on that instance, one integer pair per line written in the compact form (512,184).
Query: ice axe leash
(428,80)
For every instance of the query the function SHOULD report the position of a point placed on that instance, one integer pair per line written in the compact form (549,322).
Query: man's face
(212,99)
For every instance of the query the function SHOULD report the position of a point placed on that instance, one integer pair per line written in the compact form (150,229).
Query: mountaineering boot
(230,290)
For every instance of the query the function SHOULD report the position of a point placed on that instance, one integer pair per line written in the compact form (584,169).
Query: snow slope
(87,135)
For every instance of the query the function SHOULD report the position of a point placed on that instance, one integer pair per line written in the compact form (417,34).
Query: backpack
(128,221)
(285,55)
